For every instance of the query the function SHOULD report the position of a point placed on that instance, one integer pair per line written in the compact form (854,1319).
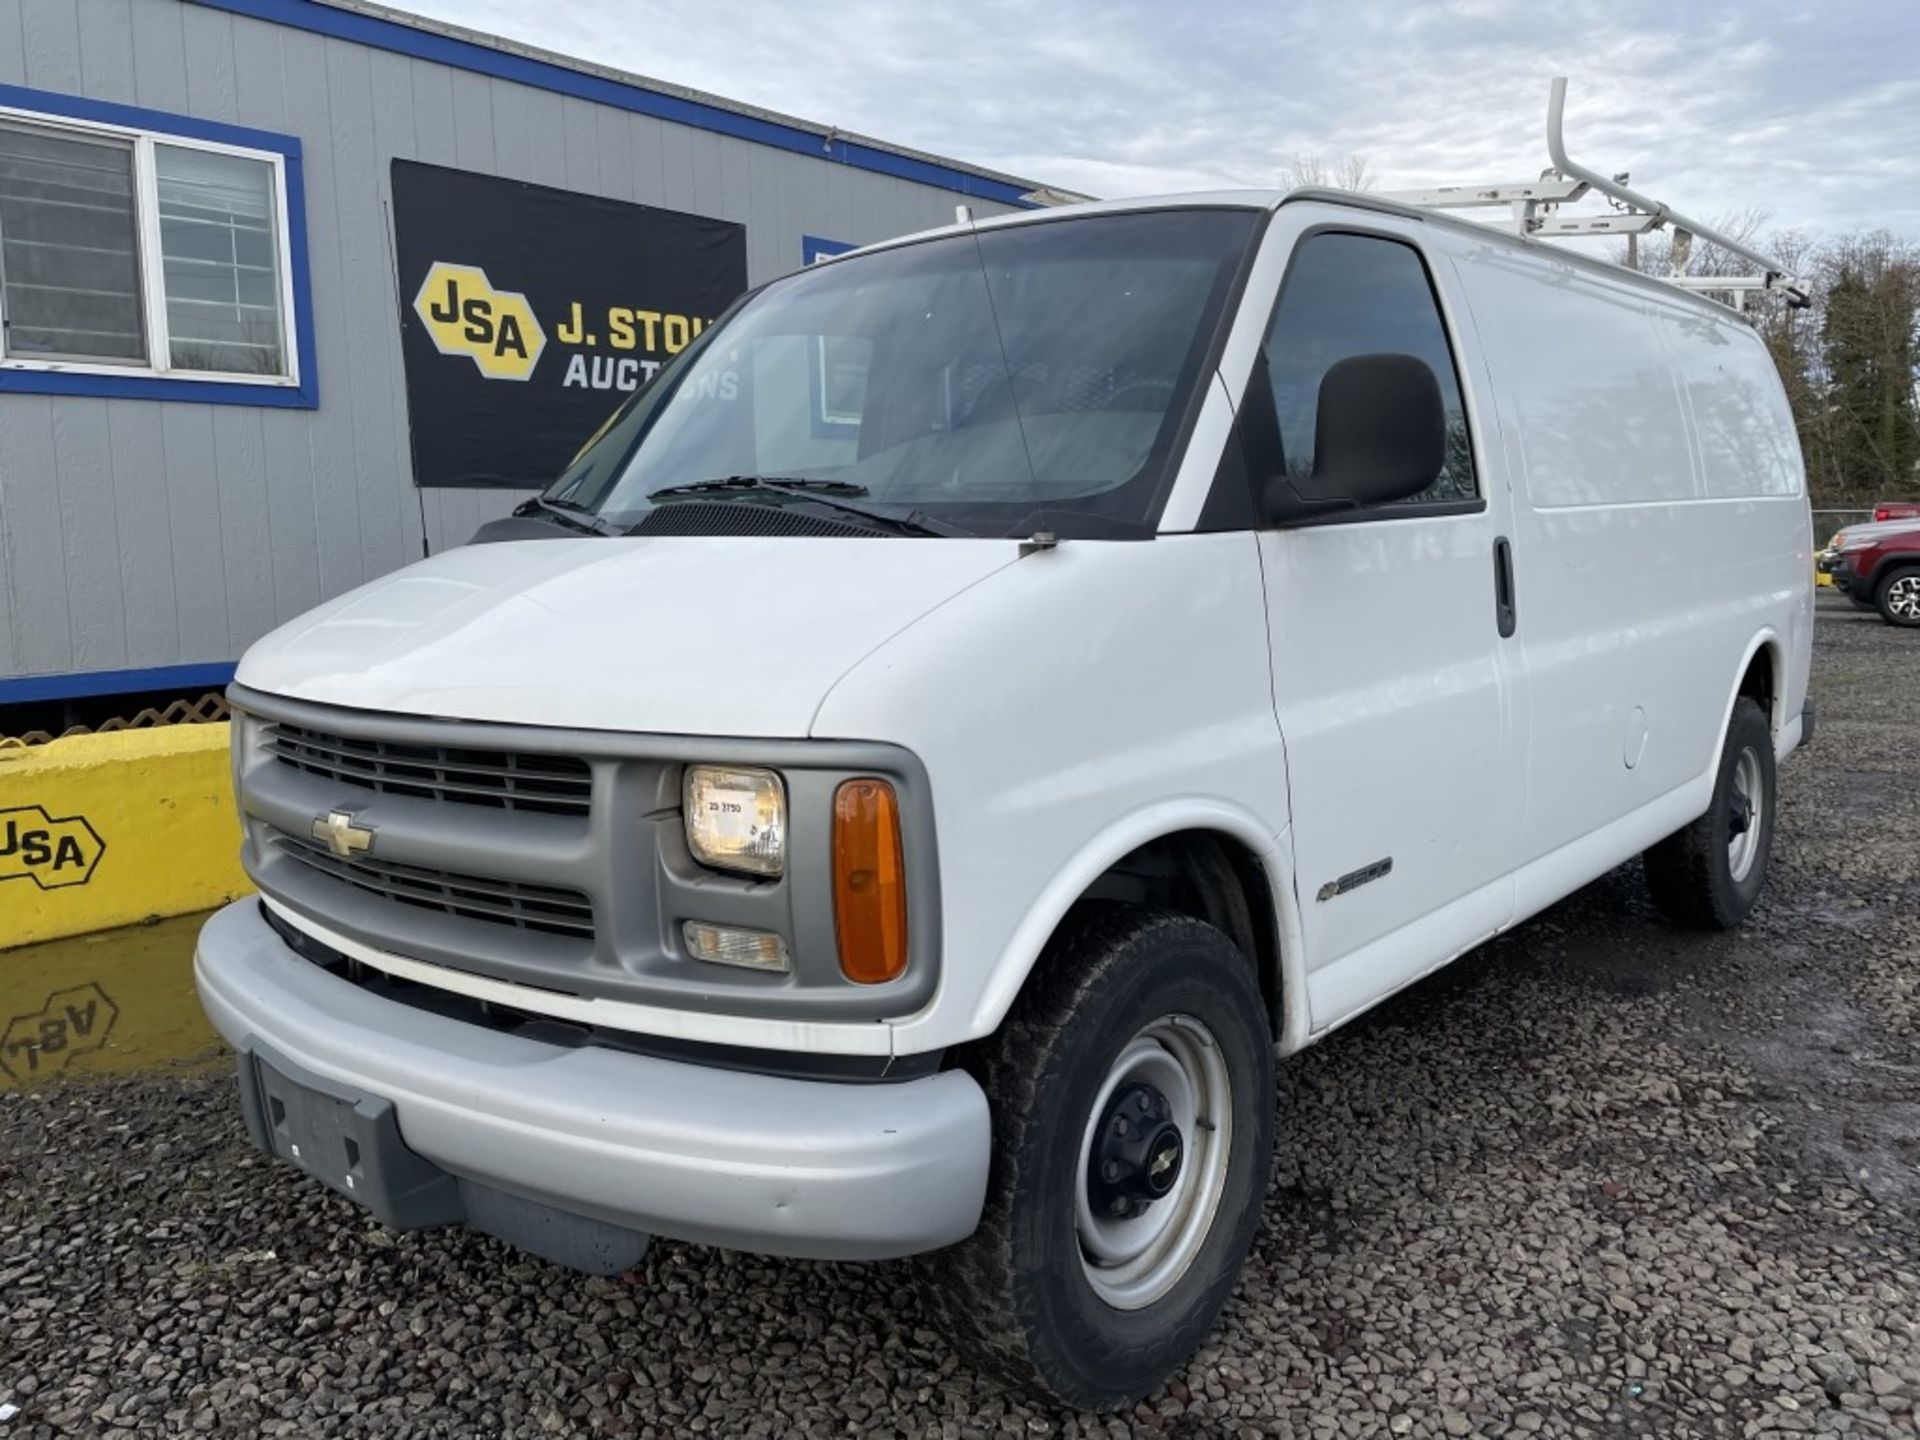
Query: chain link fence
(1827,522)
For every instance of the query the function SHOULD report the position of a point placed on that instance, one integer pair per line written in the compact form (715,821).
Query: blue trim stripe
(180,386)
(25,689)
(296,176)
(382,34)
(812,247)
(159,387)
(138,117)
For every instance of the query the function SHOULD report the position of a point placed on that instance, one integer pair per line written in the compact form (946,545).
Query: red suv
(1882,569)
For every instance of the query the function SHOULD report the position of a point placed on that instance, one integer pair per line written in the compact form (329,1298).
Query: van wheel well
(1758,684)
(1211,877)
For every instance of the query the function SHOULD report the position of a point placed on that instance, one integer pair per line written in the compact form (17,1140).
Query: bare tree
(1350,172)
(1654,253)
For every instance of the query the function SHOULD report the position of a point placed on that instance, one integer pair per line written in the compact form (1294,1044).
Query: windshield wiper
(570,513)
(798,483)
(836,494)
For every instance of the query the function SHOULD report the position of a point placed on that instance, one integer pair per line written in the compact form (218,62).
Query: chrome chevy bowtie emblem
(342,836)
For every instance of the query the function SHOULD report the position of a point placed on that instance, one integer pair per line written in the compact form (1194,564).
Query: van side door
(1394,685)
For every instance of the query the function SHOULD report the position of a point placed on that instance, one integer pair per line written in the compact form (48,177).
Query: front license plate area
(348,1140)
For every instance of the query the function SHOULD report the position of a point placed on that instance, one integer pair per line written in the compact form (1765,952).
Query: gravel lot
(1602,1178)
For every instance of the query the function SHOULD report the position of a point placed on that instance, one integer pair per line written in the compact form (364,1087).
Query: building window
(129,251)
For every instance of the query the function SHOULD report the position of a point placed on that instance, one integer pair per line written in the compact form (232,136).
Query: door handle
(1504,613)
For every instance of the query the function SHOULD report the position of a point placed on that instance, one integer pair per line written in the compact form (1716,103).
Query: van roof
(1274,199)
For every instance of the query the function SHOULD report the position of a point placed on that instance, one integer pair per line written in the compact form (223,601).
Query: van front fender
(1072,880)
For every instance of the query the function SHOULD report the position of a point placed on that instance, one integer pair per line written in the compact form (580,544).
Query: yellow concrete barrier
(99,831)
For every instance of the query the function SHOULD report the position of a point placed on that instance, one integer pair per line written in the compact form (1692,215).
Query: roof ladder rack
(1535,207)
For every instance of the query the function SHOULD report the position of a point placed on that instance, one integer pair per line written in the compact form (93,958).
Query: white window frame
(153,309)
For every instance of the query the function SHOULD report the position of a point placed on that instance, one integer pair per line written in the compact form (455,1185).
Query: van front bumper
(721,1157)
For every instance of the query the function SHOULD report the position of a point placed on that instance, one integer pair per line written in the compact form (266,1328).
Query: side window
(1350,295)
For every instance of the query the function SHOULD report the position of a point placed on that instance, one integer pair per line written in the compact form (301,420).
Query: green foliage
(1849,362)
(1867,342)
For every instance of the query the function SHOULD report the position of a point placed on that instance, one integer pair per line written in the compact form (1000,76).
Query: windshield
(991,382)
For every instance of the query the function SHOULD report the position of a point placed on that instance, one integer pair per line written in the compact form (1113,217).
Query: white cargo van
(989,698)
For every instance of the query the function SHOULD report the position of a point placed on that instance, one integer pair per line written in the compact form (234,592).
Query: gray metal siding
(143,533)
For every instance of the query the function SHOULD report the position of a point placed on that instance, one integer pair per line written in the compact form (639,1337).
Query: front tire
(1132,1099)
(1709,875)
(1898,598)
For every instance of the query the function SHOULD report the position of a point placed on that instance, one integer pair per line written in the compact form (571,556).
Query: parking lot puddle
(104,1004)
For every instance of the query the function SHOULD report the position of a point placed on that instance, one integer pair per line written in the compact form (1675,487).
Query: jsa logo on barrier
(465,315)
(51,853)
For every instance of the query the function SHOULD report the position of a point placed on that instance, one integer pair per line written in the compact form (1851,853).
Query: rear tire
(1709,875)
(1897,597)
(1082,1284)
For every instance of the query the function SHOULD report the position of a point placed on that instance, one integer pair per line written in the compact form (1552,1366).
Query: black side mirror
(1379,435)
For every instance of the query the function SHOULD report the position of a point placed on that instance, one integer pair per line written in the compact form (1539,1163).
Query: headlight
(1854,542)
(736,819)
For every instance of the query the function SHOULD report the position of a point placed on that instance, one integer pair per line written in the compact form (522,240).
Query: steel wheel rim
(1743,848)
(1130,1263)
(1903,597)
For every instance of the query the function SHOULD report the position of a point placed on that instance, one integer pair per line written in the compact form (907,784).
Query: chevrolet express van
(986,702)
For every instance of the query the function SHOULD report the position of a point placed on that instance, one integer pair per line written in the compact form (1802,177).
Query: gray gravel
(1602,1178)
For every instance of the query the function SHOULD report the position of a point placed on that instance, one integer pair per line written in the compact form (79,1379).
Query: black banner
(528,313)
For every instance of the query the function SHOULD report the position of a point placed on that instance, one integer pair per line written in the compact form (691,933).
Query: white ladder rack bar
(1773,273)
(1535,205)
(1466,197)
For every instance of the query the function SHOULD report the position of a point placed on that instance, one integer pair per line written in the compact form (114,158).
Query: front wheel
(1132,1100)
(1710,874)
(1898,598)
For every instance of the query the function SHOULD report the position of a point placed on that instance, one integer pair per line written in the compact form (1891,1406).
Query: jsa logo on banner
(465,315)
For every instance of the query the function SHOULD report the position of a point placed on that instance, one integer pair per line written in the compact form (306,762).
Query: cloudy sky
(1808,109)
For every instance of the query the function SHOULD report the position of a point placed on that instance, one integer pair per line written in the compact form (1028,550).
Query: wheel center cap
(1136,1154)
(1741,818)
(1163,1161)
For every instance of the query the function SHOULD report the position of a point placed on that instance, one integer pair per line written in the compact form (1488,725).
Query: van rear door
(1393,684)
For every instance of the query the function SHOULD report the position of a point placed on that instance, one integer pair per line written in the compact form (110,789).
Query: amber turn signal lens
(869,882)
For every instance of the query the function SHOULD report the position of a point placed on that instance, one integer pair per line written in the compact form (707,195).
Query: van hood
(738,636)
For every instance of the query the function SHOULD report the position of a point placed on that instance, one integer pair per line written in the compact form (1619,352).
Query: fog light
(730,945)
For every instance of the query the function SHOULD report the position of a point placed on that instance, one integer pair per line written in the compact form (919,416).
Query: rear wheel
(1710,874)
(1132,1098)
(1898,597)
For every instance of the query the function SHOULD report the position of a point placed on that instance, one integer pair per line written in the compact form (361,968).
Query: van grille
(500,902)
(503,779)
